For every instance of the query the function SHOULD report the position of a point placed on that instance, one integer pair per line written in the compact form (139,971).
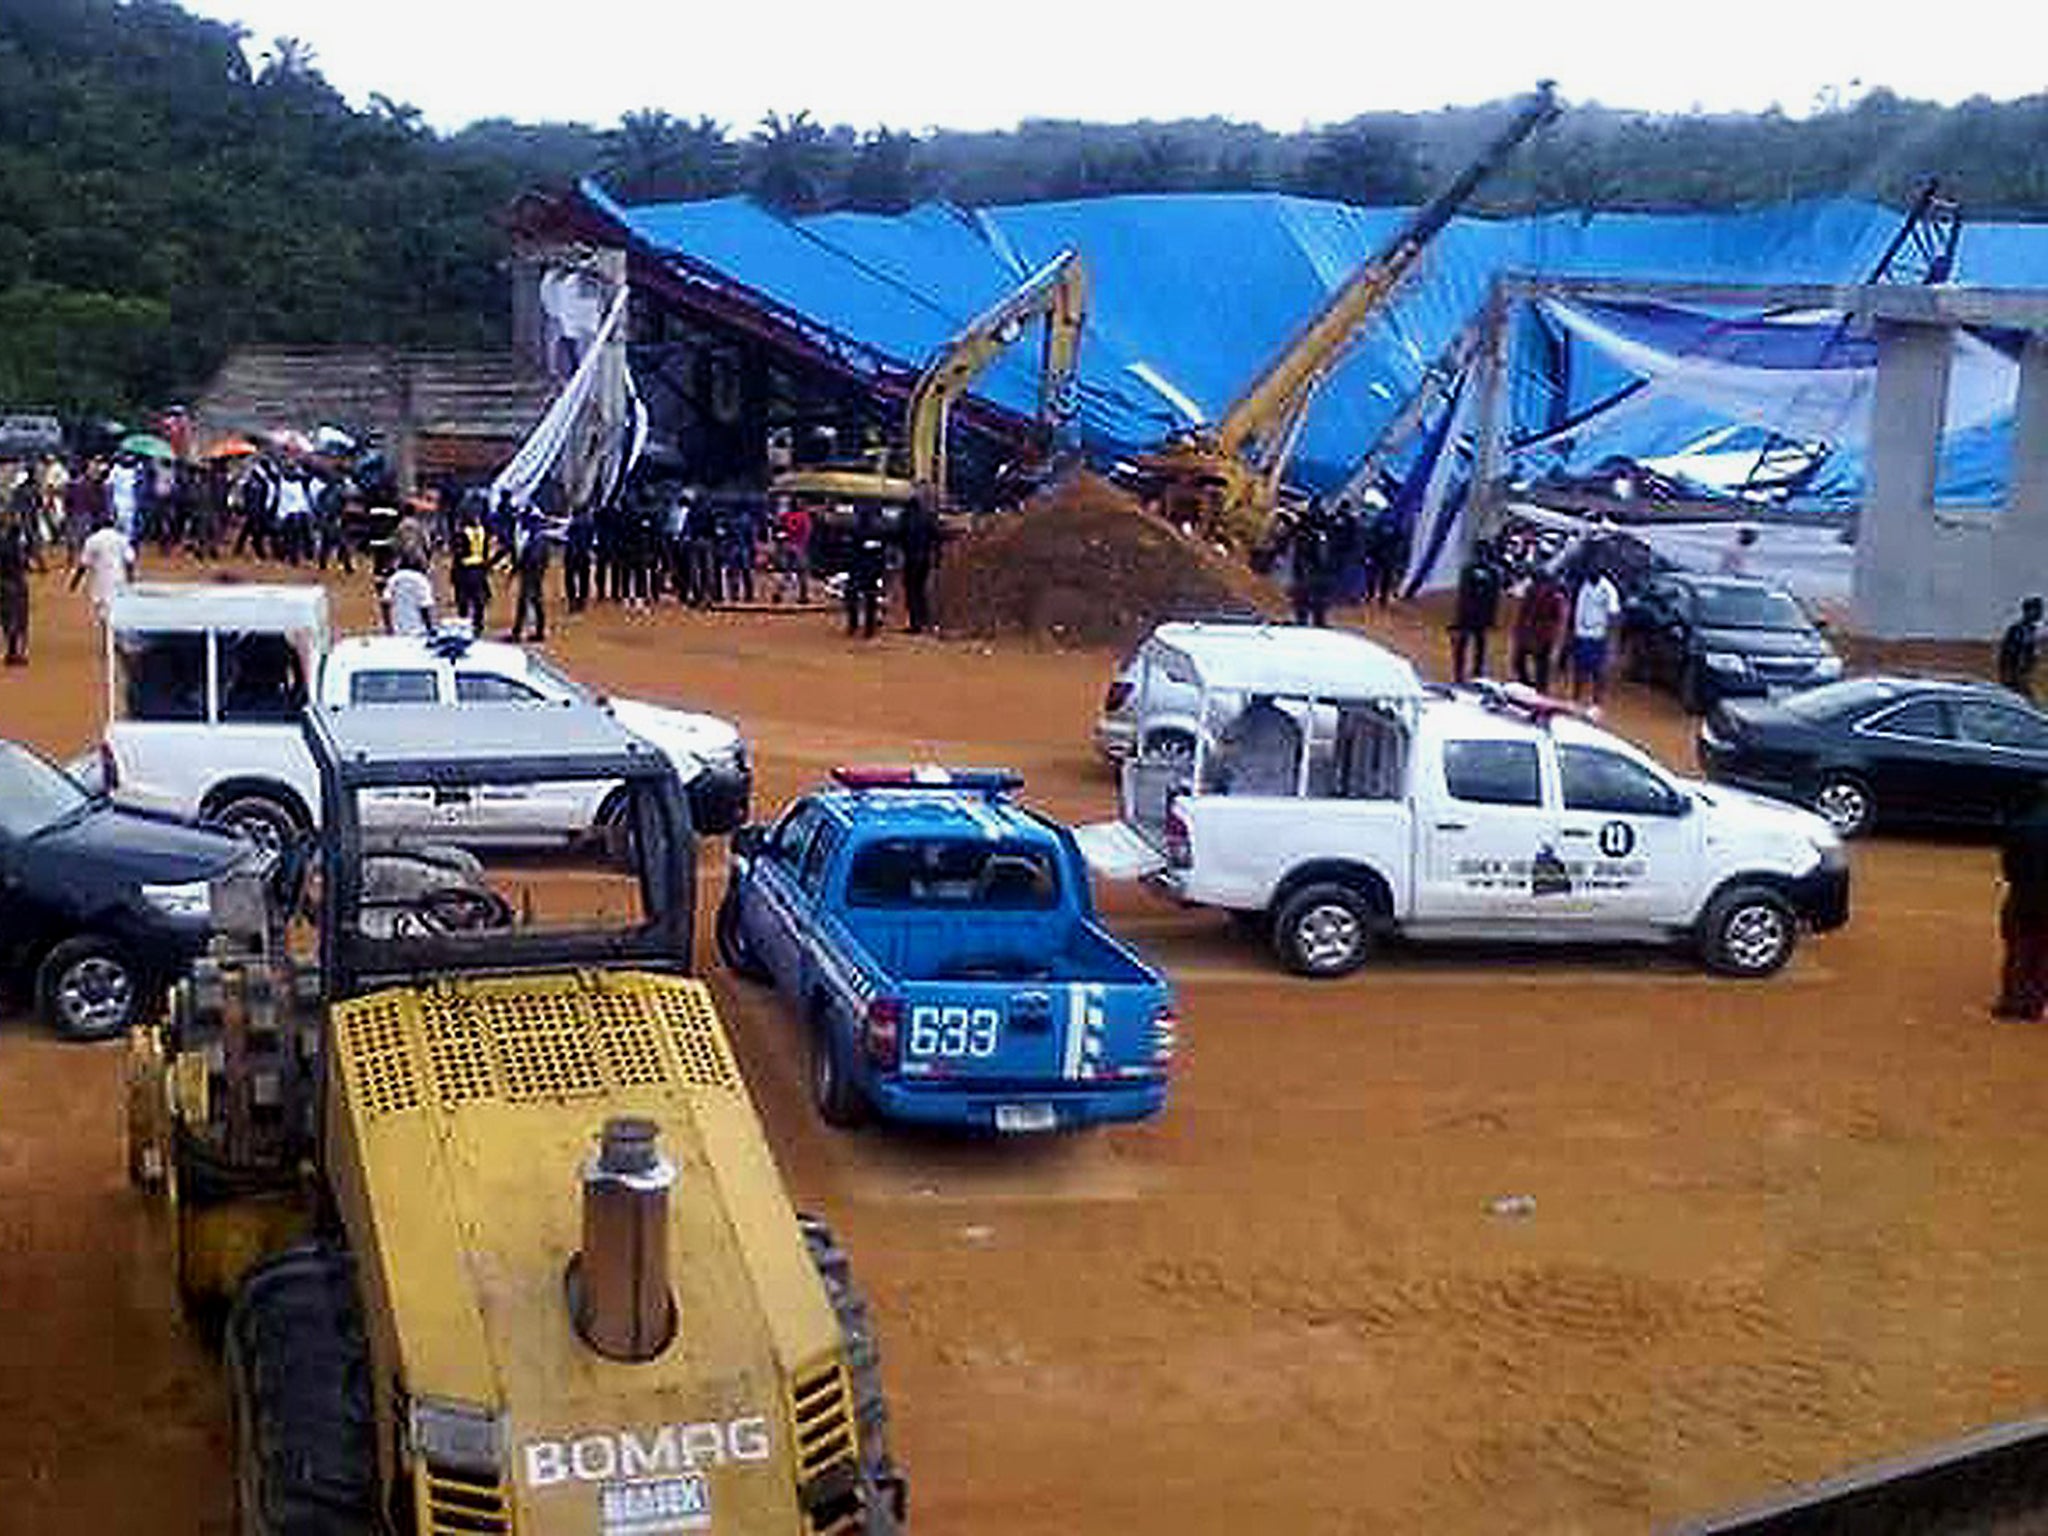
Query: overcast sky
(957,64)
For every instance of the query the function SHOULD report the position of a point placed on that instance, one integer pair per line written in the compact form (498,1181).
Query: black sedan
(1709,638)
(99,907)
(1885,749)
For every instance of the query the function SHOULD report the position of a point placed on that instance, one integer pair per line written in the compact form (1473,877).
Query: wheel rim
(1327,935)
(1842,805)
(260,826)
(95,994)
(1755,936)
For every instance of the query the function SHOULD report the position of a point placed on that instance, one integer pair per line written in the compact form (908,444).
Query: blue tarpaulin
(1192,294)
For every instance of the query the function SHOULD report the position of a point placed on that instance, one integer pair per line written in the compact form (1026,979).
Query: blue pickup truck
(939,942)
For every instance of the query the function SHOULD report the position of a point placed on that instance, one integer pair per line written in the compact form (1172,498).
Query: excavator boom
(1056,293)
(1230,473)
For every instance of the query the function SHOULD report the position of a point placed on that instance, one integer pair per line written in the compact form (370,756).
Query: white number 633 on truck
(1332,800)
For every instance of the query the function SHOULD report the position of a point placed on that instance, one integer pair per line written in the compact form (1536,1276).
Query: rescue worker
(1538,623)
(469,567)
(536,533)
(17,555)
(1260,750)
(1476,611)
(920,535)
(1312,566)
(576,551)
(2019,649)
(2023,921)
(867,561)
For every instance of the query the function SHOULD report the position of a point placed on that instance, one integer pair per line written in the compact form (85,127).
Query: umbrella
(148,446)
(231,448)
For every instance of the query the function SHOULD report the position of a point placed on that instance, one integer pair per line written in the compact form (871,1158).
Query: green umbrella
(148,446)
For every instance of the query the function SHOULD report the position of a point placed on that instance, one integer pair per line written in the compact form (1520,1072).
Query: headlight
(192,900)
(1725,661)
(459,1436)
(1828,668)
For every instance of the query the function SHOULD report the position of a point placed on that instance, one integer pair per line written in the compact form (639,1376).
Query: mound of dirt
(1083,564)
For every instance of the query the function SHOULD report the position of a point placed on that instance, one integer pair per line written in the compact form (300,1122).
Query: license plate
(655,1507)
(1026,1117)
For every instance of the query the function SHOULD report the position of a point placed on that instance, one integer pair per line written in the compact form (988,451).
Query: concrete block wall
(1924,572)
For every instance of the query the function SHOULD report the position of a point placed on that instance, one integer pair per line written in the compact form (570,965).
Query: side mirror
(750,841)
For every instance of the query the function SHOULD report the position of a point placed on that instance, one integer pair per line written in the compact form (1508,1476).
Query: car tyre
(1748,931)
(1843,801)
(89,988)
(1325,929)
(733,948)
(838,1098)
(264,818)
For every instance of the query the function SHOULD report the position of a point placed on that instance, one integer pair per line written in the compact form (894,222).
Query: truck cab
(938,942)
(206,686)
(1364,806)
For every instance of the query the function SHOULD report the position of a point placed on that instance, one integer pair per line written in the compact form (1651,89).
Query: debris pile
(1083,564)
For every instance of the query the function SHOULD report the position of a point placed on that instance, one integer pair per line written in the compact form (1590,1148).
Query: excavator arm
(1058,294)
(1229,474)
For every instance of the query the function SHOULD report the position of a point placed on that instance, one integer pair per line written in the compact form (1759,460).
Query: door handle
(1453,826)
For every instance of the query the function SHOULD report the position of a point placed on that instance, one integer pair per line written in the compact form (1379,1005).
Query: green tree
(791,166)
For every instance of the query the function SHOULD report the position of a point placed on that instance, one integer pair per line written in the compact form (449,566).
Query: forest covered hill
(163,198)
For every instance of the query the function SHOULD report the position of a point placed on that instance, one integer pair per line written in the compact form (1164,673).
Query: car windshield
(1834,699)
(33,794)
(554,681)
(1748,608)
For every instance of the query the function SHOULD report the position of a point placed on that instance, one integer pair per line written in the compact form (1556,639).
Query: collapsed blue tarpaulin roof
(1198,291)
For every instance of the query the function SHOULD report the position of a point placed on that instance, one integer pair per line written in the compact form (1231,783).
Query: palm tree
(791,162)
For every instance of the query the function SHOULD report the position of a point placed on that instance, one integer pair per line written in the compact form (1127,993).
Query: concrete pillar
(1897,539)
(1490,424)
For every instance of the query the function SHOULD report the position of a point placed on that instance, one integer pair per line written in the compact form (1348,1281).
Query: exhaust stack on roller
(619,1295)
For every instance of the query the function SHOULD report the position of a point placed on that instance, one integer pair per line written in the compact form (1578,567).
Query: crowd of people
(664,541)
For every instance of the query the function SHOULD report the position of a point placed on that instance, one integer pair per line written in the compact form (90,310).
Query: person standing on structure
(2019,649)
(2023,920)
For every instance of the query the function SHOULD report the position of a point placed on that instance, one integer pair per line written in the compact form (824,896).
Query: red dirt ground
(1778,1228)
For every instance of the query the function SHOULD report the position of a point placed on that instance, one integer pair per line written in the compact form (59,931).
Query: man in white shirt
(109,560)
(1593,614)
(408,601)
(121,497)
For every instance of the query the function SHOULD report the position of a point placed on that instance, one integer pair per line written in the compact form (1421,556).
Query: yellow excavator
(1057,294)
(1225,476)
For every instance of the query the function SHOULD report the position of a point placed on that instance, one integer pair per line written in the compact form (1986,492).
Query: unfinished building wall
(1940,573)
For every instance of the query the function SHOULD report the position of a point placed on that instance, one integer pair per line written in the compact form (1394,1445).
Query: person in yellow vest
(469,568)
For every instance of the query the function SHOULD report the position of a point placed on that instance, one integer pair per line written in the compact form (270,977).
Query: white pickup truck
(1482,814)
(206,686)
